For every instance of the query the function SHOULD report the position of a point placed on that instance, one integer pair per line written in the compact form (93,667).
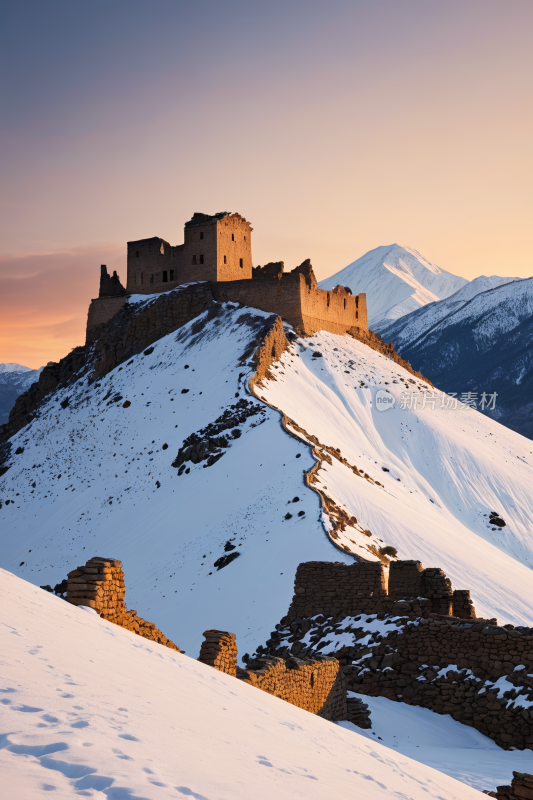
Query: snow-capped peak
(397,280)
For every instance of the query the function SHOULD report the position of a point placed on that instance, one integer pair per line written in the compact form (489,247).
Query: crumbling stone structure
(219,650)
(218,249)
(316,685)
(521,788)
(99,584)
(450,665)
(333,588)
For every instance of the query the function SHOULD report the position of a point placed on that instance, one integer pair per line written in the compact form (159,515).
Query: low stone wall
(99,584)
(316,685)
(521,788)
(333,589)
(411,665)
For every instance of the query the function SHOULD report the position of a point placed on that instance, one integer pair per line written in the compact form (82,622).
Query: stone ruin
(327,588)
(315,685)
(99,584)
(521,788)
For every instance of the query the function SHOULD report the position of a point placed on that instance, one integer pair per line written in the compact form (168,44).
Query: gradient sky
(334,127)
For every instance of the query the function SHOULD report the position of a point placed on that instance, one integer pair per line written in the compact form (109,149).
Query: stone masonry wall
(333,588)
(136,327)
(410,665)
(219,650)
(101,310)
(99,584)
(317,685)
(521,788)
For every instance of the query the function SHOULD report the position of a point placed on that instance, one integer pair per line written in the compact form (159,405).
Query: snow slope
(442,743)
(447,470)
(90,709)
(410,327)
(397,280)
(95,466)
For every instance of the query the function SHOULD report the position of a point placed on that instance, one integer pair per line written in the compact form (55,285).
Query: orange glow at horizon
(333,128)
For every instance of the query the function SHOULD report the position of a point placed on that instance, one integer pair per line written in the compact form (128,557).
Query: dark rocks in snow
(223,561)
(19,451)
(148,351)
(165,446)
(184,391)
(496,520)
(207,445)
(64,403)
(229,546)
(288,515)
(127,404)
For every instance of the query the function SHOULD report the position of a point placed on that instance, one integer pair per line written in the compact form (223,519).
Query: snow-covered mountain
(397,280)
(91,477)
(14,380)
(90,709)
(407,329)
(479,344)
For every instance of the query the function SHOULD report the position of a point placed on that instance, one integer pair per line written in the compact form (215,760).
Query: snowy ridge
(408,329)
(14,380)
(446,470)
(91,709)
(397,280)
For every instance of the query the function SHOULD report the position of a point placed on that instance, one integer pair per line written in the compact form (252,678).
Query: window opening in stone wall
(165,276)
(245,238)
(152,278)
(328,299)
(357,314)
(241,263)
(232,237)
(201,234)
(171,274)
(162,249)
(201,259)
(312,680)
(357,301)
(344,302)
(194,259)
(224,259)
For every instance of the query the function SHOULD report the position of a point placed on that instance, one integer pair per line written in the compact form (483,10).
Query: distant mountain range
(478,340)
(14,379)
(397,280)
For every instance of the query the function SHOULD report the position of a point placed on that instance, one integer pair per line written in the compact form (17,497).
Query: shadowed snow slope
(91,709)
(447,470)
(409,328)
(442,743)
(397,280)
(87,484)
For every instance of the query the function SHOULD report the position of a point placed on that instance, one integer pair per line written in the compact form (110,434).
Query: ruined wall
(101,310)
(99,584)
(219,650)
(410,665)
(520,788)
(136,327)
(317,686)
(305,307)
(333,589)
(147,260)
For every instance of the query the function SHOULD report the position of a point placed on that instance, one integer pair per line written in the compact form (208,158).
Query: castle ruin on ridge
(218,249)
